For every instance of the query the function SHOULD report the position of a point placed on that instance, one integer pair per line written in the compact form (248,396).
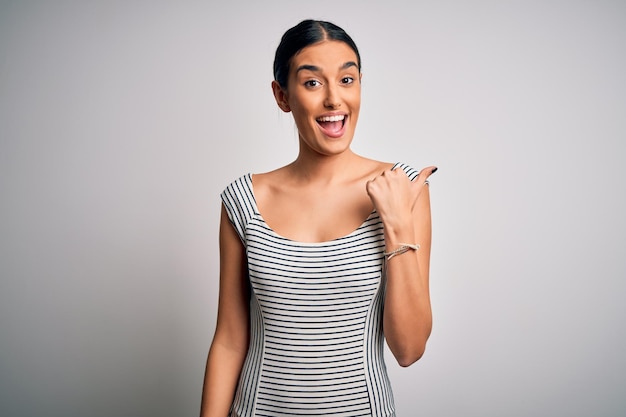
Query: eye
(312,83)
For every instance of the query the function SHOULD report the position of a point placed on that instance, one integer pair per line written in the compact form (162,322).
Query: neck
(326,169)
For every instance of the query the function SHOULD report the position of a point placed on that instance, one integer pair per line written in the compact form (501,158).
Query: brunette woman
(321,260)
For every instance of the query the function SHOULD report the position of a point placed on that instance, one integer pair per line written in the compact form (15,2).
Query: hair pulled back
(305,33)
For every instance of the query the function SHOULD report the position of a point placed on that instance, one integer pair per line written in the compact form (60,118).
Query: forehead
(327,55)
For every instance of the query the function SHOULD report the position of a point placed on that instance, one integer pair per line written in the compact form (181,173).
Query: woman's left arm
(404,207)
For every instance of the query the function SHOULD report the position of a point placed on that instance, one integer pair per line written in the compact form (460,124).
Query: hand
(394,195)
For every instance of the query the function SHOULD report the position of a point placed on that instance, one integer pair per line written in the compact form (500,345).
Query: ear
(281,97)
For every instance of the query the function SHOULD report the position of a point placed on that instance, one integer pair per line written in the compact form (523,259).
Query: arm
(404,207)
(230,342)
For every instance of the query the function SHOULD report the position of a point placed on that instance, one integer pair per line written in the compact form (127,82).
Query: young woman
(320,260)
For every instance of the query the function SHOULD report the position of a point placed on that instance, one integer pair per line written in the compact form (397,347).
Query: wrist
(394,236)
(402,248)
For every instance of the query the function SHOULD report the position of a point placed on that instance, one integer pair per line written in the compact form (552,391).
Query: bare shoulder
(270,182)
(373,167)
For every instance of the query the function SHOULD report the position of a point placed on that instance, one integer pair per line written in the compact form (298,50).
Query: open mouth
(332,126)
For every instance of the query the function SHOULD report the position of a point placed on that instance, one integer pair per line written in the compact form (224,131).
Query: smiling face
(324,94)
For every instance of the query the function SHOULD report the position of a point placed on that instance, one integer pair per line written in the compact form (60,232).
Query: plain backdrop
(121,122)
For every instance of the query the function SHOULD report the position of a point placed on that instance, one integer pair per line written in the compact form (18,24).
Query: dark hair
(305,33)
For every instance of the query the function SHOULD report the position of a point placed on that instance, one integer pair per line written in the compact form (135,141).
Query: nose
(332,100)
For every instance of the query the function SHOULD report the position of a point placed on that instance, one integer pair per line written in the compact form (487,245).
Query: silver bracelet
(404,247)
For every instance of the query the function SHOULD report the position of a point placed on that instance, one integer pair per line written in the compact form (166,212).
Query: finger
(422,178)
(421,181)
(429,170)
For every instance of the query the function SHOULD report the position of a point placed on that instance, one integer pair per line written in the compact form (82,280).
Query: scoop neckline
(300,242)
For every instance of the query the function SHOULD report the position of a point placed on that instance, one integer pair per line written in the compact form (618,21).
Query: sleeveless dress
(316,339)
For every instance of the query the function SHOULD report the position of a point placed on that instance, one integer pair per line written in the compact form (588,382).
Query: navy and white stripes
(316,346)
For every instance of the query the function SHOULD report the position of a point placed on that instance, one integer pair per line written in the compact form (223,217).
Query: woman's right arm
(230,342)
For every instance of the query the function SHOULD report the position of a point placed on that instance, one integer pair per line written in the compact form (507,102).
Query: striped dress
(316,340)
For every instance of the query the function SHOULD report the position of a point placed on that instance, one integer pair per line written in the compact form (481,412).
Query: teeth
(331,118)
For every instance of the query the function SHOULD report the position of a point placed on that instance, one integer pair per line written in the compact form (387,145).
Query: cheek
(355,97)
(304,107)
(356,104)
(301,116)
(300,113)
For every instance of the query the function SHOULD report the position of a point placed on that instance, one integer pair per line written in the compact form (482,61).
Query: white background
(121,122)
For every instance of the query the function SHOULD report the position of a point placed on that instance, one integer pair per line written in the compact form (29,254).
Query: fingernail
(434,170)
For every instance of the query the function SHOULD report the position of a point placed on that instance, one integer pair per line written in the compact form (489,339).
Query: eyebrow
(314,68)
